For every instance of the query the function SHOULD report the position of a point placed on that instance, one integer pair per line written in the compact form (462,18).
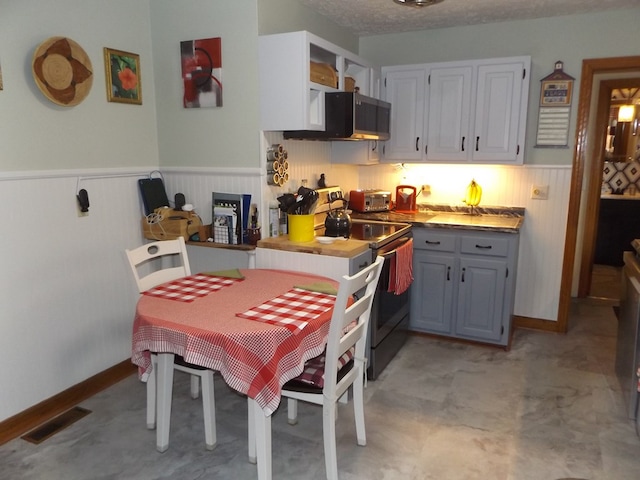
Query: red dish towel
(401,268)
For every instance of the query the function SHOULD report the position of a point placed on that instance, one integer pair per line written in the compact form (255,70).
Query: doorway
(584,168)
(609,206)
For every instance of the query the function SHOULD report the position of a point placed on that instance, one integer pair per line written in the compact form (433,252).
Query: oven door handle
(395,245)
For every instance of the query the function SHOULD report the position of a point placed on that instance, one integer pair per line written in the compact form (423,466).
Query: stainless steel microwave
(350,116)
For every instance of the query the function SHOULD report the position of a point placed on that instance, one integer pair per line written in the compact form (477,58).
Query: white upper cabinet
(448,113)
(296,69)
(501,110)
(404,88)
(458,112)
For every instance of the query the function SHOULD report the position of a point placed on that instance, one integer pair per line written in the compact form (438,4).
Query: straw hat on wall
(62,71)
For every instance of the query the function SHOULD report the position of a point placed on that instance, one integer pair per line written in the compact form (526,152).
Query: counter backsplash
(618,176)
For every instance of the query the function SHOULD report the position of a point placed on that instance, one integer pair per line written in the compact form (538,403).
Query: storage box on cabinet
(458,112)
(464,283)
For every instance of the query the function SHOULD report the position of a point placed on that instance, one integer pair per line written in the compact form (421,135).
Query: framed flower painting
(123,76)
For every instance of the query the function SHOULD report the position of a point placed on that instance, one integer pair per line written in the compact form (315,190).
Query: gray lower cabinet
(464,283)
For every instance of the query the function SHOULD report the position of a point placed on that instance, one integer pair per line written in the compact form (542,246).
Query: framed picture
(201,62)
(122,70)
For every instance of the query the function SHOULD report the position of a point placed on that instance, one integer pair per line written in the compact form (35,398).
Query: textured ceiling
(374,17)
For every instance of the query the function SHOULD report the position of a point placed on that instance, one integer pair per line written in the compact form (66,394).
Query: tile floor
(550,408)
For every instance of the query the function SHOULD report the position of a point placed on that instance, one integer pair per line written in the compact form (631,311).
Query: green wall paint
(280,16)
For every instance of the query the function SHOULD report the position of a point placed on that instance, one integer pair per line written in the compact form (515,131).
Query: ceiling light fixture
(626,113)
(417,3)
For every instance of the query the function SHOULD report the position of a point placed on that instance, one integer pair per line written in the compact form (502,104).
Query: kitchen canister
(301,228)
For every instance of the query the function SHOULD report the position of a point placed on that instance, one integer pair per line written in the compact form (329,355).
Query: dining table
(256,327)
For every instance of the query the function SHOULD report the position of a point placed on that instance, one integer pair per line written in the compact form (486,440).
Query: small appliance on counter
(406,199)
(338,222)
(369,200)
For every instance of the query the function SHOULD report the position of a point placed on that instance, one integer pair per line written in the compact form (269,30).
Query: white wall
(543,232)
(66,296)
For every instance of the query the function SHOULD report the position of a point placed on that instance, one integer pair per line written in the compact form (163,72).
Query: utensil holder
(301,228)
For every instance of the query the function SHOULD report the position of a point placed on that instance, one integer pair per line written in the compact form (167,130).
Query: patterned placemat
(292,310)
(187,289)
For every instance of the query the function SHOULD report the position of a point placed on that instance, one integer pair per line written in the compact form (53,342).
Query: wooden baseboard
(537,324)
(47,409)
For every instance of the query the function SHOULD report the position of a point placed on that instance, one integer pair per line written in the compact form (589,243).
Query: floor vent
(55,425)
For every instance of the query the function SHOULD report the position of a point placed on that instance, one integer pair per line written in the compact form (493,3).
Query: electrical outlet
(426,189)
(540,192)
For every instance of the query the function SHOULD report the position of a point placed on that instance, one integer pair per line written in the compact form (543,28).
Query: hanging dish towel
(401,268)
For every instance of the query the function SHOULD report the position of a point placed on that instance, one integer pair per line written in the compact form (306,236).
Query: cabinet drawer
(494,247)
(429,239)
(359,262)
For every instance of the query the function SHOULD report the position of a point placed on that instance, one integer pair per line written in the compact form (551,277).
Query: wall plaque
(555,108)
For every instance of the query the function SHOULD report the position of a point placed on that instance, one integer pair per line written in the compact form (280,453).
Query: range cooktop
(376,233)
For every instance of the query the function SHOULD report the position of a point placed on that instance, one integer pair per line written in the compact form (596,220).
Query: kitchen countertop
(340,248)
(495,219)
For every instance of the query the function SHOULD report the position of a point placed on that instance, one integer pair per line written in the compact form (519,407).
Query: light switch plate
(540,192)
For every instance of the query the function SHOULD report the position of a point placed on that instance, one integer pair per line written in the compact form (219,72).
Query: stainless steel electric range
(389,325)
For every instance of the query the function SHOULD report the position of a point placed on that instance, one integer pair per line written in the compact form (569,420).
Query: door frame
(595,180)
(590,68)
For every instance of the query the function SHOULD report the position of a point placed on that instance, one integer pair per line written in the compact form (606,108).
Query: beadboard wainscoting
(542,235)
(67,293)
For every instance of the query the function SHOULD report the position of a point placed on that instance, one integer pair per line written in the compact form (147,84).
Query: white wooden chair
(344,358)
(172,252)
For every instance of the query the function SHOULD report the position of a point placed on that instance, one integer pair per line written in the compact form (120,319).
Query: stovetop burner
(374,232)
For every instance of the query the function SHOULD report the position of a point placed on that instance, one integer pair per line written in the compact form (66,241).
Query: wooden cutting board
(339,248)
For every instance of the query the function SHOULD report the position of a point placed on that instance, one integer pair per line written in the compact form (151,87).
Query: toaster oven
(369,200)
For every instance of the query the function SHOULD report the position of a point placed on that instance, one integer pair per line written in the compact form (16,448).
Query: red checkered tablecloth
(189,288)
(291,310)
(254,358)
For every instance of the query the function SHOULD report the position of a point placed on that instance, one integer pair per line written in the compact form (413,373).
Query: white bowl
(326,240)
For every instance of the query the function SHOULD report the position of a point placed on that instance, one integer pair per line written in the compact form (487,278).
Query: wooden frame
(123,79)
(590,68)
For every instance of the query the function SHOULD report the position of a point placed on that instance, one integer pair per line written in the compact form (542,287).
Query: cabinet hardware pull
(363,265)
(477,142)
(484,247)
(518,150)
(463,270)
(429,242)
(463,143)
(448,271)
(417,147)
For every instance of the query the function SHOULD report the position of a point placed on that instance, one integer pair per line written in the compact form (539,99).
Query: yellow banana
(474,194)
